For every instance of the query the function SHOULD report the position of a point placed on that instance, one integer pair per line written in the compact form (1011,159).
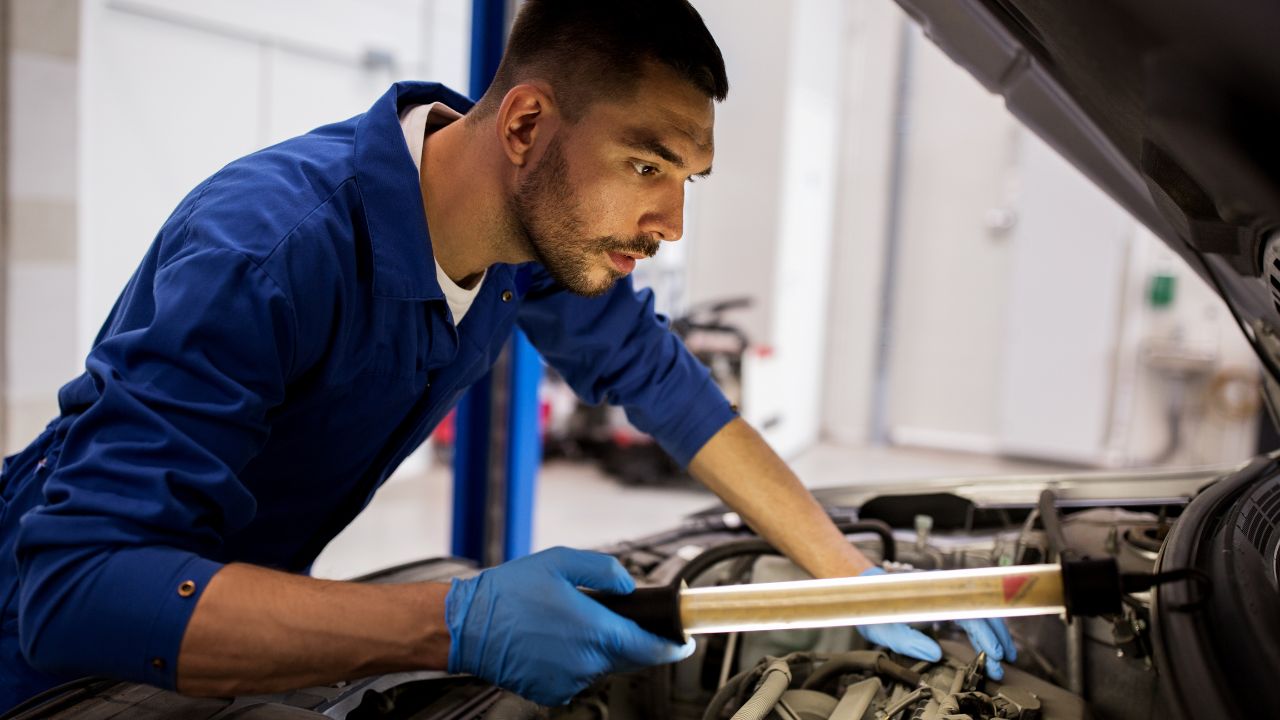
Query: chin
(593,290)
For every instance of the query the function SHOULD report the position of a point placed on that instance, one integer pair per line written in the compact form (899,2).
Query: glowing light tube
(904,597)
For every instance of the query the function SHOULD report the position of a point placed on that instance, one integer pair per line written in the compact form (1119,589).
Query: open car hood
(1170,106)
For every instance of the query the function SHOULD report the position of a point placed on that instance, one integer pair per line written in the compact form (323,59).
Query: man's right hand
(525,626)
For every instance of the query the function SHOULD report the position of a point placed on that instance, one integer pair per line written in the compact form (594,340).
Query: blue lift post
(497,448)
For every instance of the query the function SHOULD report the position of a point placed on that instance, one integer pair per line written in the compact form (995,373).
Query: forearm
(739,466)
(257,630)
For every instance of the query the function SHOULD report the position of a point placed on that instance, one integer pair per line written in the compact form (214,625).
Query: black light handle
(656,609)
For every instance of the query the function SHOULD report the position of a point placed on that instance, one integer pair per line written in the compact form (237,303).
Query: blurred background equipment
(602,432)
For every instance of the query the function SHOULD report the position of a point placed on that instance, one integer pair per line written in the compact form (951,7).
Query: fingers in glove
(903,639)
(995,670)
(1006,638)
(593,570)
(984,640)
(918,645)
(640,648)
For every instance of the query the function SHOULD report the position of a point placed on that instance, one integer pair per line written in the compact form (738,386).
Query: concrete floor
(579,506)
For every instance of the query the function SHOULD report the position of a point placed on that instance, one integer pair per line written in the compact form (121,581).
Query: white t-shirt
(416,121)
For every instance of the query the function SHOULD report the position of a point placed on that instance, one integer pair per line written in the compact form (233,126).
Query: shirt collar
(403,264)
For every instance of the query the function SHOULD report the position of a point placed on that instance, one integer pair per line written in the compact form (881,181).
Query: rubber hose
(776,680)
(1052,522)
(841,663)
(723,695)
(857,698)
(865,660)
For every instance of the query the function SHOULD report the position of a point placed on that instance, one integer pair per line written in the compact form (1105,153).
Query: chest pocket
(398,339)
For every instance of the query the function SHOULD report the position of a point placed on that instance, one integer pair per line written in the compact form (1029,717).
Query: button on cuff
(173,611)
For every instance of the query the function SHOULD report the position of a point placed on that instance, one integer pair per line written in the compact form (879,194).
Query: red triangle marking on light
(1012,585)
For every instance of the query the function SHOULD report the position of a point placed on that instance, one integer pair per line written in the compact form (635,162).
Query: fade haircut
(591,49)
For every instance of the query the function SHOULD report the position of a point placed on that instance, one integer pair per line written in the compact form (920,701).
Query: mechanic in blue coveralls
(305,318)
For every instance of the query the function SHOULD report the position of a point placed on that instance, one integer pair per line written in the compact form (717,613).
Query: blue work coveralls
(280,350)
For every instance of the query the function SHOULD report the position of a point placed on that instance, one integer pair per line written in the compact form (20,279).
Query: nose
(665,219)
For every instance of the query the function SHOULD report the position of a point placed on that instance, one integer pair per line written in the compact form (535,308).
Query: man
(311,311)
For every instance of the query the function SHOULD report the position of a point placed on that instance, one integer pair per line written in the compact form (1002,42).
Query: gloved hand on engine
(989,635)
(525,627)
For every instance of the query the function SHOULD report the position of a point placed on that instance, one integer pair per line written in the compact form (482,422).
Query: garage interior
(893,278)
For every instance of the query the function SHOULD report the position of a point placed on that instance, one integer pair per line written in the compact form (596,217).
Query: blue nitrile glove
(525,627)
(989,635)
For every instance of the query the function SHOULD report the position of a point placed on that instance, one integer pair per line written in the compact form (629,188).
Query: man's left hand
(989,635)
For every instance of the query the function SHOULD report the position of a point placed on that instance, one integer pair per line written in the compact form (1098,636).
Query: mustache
(640,244)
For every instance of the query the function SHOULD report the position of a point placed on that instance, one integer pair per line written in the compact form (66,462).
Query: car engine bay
(1115,667)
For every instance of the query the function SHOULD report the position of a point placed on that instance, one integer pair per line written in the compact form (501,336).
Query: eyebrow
(647,143)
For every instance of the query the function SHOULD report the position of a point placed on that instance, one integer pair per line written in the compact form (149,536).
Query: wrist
(458,596)
(431,645)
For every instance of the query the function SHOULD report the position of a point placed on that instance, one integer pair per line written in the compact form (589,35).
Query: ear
(527,115)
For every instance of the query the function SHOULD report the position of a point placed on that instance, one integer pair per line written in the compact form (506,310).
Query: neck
(464,197)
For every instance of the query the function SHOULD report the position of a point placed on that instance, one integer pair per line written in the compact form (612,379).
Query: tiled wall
(40,261)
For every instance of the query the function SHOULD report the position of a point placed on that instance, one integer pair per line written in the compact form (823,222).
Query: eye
(644,169)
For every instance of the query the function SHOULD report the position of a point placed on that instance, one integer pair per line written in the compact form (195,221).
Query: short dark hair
(588,49)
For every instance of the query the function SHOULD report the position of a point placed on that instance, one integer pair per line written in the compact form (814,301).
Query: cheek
(605,204)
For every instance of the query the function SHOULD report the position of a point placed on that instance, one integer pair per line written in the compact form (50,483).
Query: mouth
(625,262)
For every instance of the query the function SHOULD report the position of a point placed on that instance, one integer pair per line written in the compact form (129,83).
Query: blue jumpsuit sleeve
(616,348)
(113,563)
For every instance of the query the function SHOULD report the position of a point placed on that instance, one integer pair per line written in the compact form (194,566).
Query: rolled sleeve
(133,606)
(145,491)
(688,432)
(615,348)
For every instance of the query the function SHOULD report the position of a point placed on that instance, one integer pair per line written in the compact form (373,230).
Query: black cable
(757,546)
(1138,582)
(715,708)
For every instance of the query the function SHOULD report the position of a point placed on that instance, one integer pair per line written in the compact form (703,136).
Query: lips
(624,263)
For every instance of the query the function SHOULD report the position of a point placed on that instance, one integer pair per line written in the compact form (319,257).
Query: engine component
(847,686)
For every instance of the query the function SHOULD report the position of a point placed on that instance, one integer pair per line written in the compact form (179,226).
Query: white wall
(811,144)
(42,170)
(119,107)
(735,213)
(237,75)
(858,254)
(764,225)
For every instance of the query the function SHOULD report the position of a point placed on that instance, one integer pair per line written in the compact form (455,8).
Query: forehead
(663,105)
